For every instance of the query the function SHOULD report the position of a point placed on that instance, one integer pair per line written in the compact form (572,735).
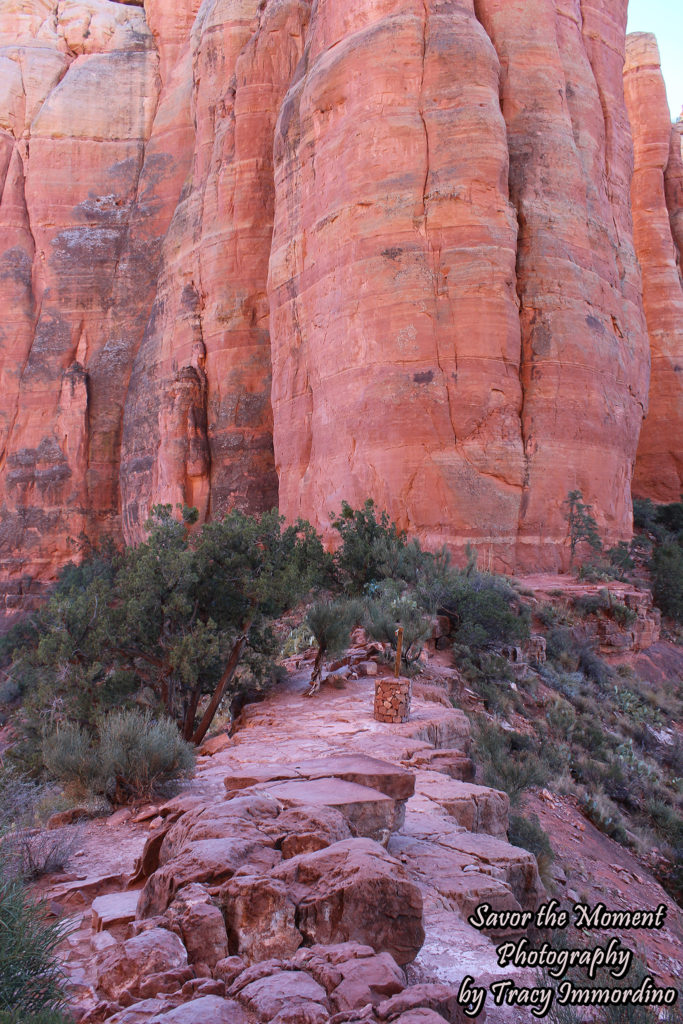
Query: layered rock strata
(657,197)
(273,251)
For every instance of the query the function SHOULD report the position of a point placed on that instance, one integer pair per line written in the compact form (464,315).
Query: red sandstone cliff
(657,196)
(252,250)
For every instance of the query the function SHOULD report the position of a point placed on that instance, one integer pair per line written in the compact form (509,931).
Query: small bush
(484,610)
(19,799)
(581,523)
(528,833)
(331,623)
(132,755)
(385,613)
(140,753)
(561,717)
(509,761)
(44,1017)
(560,645)
(592,604)
(30,975)
(671,518)
(599,809)
(36,852)
(593,667)
(667,576)
(645,515)
(367,544)
(69,757)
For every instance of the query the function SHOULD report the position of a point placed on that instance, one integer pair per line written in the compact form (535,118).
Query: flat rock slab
(86,888)
(474,808)
(116,908)
(256,775)
(445,727)
(369,813)
(389,779)
(448,762)
(456,875)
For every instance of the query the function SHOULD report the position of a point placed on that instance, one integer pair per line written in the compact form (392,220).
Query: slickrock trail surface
(320,867)
(262,252)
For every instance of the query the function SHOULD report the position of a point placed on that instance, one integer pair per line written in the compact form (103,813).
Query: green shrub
(387,611)
(30,976)
(670,517)
(484,610)
(130,757)
(582,526)
(331,623)
(561,717)
(623,615)
(375,549)
(593,667)
(591,604)
(599,809)
(19,798)
(44,1017)
(560,645)
(140,753)
(528,833)
(183,616)
(509,761)
(366,544)
(70,758)
(666,567)
(645,515)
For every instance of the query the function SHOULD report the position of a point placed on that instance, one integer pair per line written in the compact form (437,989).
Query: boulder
(201,925)
(261,917)
(441,999)
(205,1010)
(368,980)
(267,996)
(114,909)
(203,860)
(122,969)
(142,1012)
(420,1016)
(302,1013)
(164,983)
(304,829)
(355,891)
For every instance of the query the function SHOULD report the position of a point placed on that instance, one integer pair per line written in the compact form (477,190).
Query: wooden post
(399,649)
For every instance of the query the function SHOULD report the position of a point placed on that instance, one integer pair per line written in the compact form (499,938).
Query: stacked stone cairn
(392,699)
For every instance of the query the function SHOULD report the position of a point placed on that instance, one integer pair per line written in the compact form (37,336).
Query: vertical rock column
(198,423)
(83,91)
(394,321)
(658,177)
(585,354)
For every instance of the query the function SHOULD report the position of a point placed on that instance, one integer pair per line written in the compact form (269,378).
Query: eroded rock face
(438,316)
(74,152)
(313,253)
(393,383)
(657,196)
